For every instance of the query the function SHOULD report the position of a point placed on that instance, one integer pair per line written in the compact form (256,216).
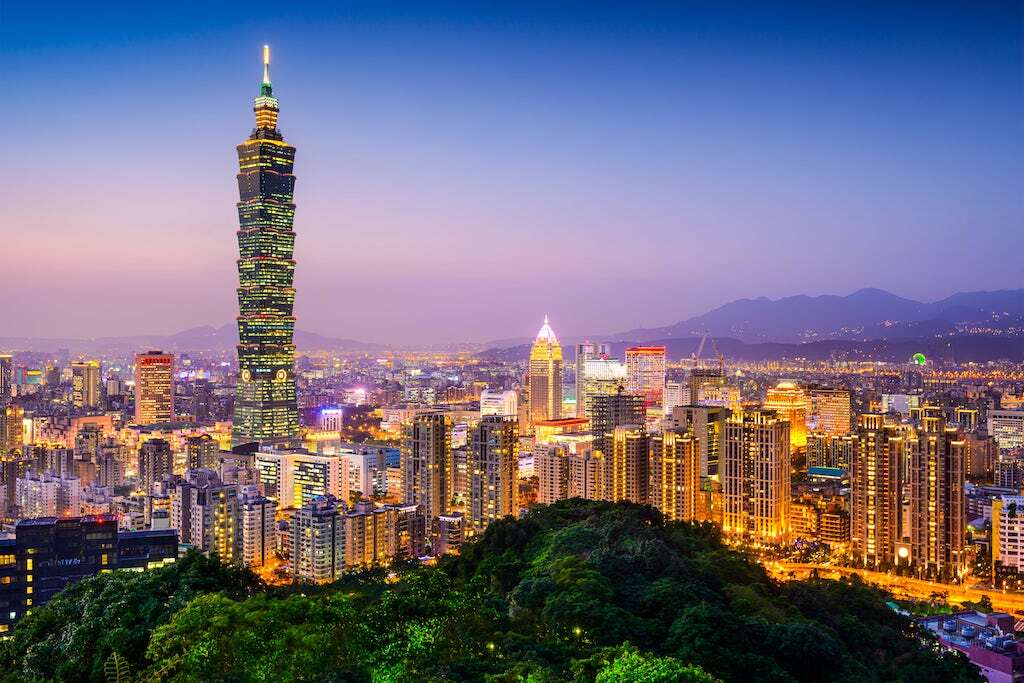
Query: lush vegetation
(579,591)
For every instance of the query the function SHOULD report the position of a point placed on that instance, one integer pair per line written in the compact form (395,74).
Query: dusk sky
(465,168)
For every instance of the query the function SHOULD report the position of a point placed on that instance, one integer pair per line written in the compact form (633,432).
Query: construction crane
(700,349)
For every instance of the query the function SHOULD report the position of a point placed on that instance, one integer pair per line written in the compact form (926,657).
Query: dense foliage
(578,591)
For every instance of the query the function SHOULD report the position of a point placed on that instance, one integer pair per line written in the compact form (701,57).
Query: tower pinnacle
(266,65)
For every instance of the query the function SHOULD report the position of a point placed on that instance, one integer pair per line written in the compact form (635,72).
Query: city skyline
(842,157)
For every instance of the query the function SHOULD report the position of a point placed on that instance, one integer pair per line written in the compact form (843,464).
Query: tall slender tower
(545,376)
(265,405)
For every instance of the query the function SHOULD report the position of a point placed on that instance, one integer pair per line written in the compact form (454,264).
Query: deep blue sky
(465,168)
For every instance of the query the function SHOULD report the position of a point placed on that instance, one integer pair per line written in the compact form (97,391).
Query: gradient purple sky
(461,173)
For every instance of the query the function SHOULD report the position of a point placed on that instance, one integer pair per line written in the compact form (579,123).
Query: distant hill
(865,314)
(205,338)
(958,348)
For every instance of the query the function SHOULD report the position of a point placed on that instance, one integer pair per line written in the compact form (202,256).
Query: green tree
(634,667)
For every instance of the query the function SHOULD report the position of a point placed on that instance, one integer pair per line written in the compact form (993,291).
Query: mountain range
(204,338)
(879,321)
(867,314)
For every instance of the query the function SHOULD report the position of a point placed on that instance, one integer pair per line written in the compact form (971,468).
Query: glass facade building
(265,405)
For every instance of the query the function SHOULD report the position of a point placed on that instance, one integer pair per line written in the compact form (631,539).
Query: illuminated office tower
(789,402)
(370,534)
(295,478)
(881,456)
(493,470)
(601,377)
(501,403)
(937,523)
(545,376)
(645,372)
(707,424)
(265,404)
(585,352)
(259,529)
(201,451)
(85,384)
(154,387)
(611,411)
(829,410)
(6,375)
(427,464)
(155,462)
(207,515)
(629,463)
(755,476)
(12,429)
(830,450)
(318,540)
(675,476)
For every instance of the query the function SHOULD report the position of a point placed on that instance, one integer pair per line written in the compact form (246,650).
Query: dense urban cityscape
(841,501)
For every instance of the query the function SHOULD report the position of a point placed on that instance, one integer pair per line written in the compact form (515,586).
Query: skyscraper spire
(266,106)
(265,88)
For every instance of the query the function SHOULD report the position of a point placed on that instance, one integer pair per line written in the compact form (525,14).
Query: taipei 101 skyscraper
(265,407)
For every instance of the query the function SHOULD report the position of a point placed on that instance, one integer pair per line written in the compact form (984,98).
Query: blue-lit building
(49,553)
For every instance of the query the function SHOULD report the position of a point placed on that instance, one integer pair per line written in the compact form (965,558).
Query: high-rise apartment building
(370,535)
(156,460)
(493,470)
(789,401)
(937,523)
(295,478)
(207,514)
(877,477)
(645,372)
(545,376)
(755,474)
(427,463)
(568,467)
(676,476)
(266,410)
(12,430)
(830,450)
(258,526)
(629,464)
(154,387)
(201,451)
(318,540)
(829,410)
(85,384)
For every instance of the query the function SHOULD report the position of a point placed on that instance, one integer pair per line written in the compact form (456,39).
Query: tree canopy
(576,591)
